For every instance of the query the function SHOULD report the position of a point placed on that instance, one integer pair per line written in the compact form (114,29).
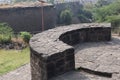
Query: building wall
(28,18)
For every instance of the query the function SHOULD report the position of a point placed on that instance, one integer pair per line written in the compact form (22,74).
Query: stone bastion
(52,51)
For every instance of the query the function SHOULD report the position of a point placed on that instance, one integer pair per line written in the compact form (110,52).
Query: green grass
(12,59)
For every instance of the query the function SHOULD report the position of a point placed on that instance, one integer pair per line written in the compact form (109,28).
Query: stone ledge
(50,38)
(52,52)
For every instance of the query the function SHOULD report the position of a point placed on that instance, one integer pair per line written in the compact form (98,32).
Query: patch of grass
(12,59)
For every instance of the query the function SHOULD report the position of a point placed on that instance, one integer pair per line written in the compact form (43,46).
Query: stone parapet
(52,53)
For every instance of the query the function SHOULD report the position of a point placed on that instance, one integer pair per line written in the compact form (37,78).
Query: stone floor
(102,58)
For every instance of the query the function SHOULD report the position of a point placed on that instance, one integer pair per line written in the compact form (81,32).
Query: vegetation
(16,1)
(26,36)
(108,13)
(66,17)
(6,33)
(12,59)
(103,11)
(101,3)
(84,16)
(50,1)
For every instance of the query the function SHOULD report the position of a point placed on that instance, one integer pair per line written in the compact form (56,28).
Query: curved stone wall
(52,53)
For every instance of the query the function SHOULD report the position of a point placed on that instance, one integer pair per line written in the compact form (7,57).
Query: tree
(109,13)
(66,17)
(101,14)
(84,16)
(5,33)
(101,3)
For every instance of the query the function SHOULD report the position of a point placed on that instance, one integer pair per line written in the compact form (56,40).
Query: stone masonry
(28,17)
(52,53)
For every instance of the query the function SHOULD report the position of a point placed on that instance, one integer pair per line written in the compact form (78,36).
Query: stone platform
(52,51)
(101,57)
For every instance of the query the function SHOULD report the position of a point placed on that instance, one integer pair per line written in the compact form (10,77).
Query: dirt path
(22,73)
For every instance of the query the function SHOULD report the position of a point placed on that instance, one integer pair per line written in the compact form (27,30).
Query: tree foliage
(101,3)
(5,33)
(66,17)
(26,36)
(108,13)
(84,16)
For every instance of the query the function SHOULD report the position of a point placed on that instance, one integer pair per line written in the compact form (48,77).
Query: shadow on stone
(103,74)
(73,75)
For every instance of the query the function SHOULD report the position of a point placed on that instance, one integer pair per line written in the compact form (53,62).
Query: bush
(6,33)
(26,36)
(66,17)
(5,39)
(114,19)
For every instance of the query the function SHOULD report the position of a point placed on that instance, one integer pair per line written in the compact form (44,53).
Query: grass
(12,59)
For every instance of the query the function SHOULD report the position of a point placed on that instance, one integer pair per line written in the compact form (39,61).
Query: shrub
(5,39)
(114,19)
(26,36)
(6,33)
(66,17)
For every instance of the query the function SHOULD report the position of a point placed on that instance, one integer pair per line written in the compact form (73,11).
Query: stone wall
(28,18)
(52,53)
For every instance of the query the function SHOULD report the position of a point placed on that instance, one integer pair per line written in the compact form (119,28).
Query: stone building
(28,16)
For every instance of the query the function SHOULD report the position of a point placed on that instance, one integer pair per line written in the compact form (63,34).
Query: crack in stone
(103,74)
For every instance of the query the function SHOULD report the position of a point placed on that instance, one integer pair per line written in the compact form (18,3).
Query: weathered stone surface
(53,49)
(101,57)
